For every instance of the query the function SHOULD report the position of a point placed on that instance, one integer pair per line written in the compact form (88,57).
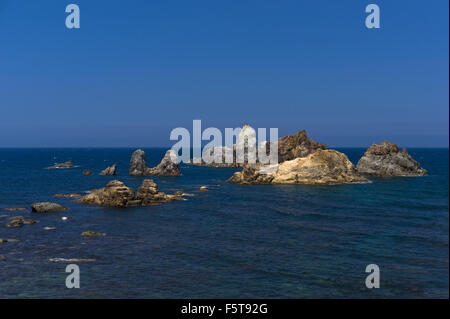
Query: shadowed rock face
(297,145)
(167,167)
(110,170)
(321,167)
(385,159)
(138,165)
(116,194)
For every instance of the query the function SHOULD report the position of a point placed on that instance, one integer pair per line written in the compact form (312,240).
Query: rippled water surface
(290,241)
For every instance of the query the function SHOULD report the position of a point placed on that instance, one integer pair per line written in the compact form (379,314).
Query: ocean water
(262,241)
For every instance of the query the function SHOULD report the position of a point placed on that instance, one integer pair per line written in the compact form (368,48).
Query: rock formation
(321,167)
(294,146)
(385,159)
(167,167)
(67,164)
(116,194)
(20,222)
(110,170)
(289,147)
(47,207)
(91,233)
(87,172)
(138,165)
(148,194)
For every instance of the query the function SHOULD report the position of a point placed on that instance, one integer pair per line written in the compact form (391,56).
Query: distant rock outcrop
(110,170)
(289,147)
(20,222)
(322,167)
(116,194)
(47,207)
(67,164)
(138,165)
(87,172)
(385,159)
(167,167)
(294,146)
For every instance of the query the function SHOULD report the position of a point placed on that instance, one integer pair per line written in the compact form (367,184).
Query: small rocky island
(301,161)
(67,164)
(322,167)
(117,194)
(110,170)
(167,167)
(386,159)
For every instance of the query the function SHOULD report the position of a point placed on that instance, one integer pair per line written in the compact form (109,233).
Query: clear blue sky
(137,69)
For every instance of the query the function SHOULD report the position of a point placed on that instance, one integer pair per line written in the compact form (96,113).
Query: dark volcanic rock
(111,170)
(385,159)
(47,207)
(67,164)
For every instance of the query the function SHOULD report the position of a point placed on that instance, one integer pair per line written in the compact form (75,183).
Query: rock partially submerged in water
(116,194)
(385,159)
(167,167)
(322,167)
(87,172)
(14,209)
(67,195)
(47,207)
(91,233)
(138,164)
(110,170)
(71,260)
(20,222)
(148,194)
(67,164)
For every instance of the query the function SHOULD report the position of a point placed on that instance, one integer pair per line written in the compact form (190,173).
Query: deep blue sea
(261,241)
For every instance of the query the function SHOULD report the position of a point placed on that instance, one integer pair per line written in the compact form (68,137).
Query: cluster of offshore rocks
(301,160)
(117,194)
